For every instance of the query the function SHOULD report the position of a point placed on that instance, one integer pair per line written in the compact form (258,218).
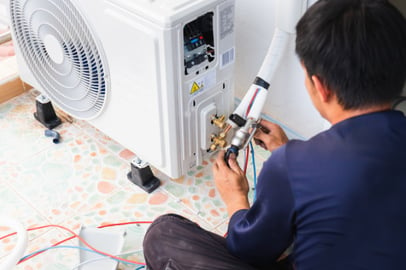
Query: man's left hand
(231,183)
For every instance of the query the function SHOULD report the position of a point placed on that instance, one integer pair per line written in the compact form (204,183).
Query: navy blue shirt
(339,197)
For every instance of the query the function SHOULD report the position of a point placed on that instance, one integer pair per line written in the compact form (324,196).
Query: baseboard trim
(11,88)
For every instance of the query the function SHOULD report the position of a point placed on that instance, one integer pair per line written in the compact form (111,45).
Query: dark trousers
(175,243)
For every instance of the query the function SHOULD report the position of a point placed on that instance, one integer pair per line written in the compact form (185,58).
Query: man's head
(356,48)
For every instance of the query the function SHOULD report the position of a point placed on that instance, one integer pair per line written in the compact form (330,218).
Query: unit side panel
(133,115)
(172,110)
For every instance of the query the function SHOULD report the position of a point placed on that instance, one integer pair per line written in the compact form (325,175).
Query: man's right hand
(270,136)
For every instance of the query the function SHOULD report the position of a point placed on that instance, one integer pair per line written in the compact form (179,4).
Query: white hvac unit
(148,73)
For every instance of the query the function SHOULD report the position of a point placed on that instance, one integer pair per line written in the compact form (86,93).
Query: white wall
(4,21)
(401,5)
(288,102)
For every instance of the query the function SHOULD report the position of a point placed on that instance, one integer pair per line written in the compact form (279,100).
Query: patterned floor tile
(54,259)
(136,206)
(222,228)
(64,179)
(66,256)
(125,206)
(83,182)
(106,141)
(25,136)
(15,207)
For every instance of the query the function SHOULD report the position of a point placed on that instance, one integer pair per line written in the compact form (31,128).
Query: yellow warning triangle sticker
(195,88)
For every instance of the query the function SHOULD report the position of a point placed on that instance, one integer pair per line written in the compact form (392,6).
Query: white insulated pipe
(12,259)
(287,15)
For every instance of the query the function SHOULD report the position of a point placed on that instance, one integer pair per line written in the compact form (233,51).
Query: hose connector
(56,137)
(231,150)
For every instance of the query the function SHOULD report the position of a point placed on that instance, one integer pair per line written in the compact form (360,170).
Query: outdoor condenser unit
(151,74)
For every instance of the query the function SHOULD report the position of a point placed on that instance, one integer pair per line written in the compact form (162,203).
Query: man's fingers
(215,167)
(233,164)
(220,164)
(260,143)
(268,125)
(262,138)
(220,158)
(260,135)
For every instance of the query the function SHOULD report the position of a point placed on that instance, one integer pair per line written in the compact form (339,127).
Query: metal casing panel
(148,107)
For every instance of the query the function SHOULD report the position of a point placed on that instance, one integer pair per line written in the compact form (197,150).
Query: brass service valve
(218,141)
(219,122)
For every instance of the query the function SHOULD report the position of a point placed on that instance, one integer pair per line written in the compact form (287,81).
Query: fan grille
(61,52)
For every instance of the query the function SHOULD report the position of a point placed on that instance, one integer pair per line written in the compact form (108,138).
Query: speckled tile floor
(82,182)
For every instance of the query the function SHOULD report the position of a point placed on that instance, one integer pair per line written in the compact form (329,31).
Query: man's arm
(260,234)
(231,181)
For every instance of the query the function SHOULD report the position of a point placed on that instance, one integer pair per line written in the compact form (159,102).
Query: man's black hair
(357,48)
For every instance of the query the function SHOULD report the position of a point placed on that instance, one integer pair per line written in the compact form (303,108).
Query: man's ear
(322,90)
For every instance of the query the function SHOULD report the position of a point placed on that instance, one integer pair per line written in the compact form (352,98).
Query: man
(340,197)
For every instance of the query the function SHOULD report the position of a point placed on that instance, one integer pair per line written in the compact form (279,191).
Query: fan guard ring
(62,54)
